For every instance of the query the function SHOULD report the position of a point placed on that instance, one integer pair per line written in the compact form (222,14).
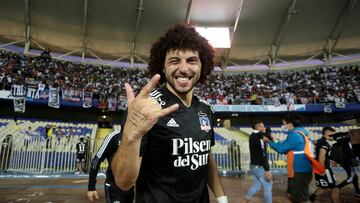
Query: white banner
(5,94)
(257,108)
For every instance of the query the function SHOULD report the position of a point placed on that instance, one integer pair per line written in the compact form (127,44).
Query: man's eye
(173,62)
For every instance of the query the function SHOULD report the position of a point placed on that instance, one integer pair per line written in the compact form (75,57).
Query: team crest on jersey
(204,122)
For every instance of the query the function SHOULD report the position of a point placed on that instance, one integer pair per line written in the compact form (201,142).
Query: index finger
(149,86)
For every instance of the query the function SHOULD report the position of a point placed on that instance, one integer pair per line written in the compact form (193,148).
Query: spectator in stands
(80,156)
(165,125)
(112,192)
(235,156)
(299,166)
(20,72)
(49,133)
(326,181)
(5,153)
(88,155)
(259,164)
(59,133)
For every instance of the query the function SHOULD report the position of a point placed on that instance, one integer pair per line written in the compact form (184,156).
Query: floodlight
(218,37)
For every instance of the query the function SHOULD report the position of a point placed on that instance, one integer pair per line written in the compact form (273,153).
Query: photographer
(343,154)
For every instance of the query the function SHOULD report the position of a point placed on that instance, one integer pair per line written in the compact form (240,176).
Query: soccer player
(112,192)
(80,156)
(167,137)
(326,181)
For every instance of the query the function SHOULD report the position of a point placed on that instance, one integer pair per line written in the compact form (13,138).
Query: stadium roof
(262,32)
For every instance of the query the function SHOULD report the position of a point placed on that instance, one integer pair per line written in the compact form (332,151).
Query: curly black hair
(294,119)
(181,37)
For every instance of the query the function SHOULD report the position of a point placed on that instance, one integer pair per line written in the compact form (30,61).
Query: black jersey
(106,151)
(175,153)
(322,143)
(81,147)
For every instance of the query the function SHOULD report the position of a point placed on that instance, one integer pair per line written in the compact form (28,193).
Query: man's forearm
(126,163)
(214,181)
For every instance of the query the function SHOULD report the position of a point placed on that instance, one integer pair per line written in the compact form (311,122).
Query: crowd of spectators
(102,81)
(321,85)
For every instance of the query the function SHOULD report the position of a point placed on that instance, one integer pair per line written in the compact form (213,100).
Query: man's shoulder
(203,104)
(299,131)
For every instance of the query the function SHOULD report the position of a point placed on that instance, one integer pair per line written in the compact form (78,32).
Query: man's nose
(183,65)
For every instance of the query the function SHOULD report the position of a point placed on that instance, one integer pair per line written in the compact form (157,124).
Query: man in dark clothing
(259,164)
(112,192)
(167,137)
(80,155)
(6,148)
(235,156)
(326,181)
(342,154)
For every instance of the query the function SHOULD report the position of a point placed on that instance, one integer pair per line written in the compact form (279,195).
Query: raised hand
(143,110)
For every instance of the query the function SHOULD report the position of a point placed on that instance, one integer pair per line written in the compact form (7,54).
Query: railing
(55,156)
(39,156)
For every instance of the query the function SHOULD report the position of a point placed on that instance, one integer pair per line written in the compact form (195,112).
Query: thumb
(129,93)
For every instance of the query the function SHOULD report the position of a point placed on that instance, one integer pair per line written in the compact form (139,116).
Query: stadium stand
(25,75)
(40,151)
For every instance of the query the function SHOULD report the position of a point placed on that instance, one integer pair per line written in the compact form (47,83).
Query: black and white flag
(122,105)
(19,104)
(54,99)
(87,100)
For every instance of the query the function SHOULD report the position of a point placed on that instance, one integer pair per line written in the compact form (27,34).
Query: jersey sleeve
(108,147)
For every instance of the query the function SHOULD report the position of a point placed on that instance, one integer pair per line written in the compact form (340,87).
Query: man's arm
(126,162)
(284,147)
(108,146)
(143,112)
(214,181)
(322,154)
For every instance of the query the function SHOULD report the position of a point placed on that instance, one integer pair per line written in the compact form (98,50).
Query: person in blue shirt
(299,166)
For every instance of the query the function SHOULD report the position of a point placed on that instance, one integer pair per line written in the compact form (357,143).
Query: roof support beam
(10,43)
(337,30)
(27,26)
(67,54)
(189,11)
(119,59)
(39,45)
(232,34)
(274,49)
(96,56)
(140,10)
(84,33)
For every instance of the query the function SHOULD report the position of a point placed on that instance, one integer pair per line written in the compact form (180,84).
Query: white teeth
(182,78)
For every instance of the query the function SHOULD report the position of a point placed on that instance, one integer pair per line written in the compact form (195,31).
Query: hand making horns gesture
(143,110)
